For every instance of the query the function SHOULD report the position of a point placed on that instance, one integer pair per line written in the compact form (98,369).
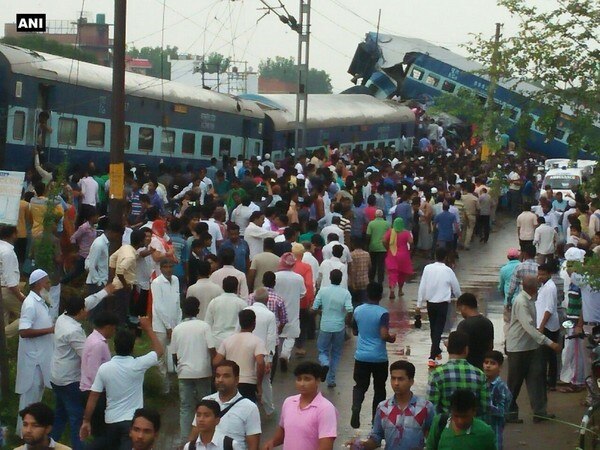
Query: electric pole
(117,125)
(490,105)
(303,69)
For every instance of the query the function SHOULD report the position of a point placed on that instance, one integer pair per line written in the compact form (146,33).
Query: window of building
(417,74)
(167,142)
(448,87)
(127,136)
(431,80)
(146,139)
(67,131)
(19,126)
(207,145)
(225,145)
(188,143)
(95,134)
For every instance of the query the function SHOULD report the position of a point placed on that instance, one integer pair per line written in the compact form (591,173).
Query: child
(500,395)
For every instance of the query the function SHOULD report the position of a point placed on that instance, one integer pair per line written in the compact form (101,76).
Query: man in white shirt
(227,257)
(248,351)
(437,287)
(89,190)
(332,240)
(240,418)
(65,372)
(193,348)
(9,279)
(241,214)
(203,289)
(213,229)
(221,314)
(123,380)
(333,263)
(547,321)
(265,329)
(166,313)
(255,234)
(333,228)
(290,286)
(544,239)
(36,344)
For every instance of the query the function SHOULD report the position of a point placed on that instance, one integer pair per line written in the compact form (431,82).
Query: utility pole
(117,125)
(303,30)
(490,105)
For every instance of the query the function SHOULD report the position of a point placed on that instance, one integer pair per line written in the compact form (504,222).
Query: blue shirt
(402,429)
(335,302)
(241,251)
(359,221)
(506,272)
(445,224)
(368,319)
(405,212)
(181,252)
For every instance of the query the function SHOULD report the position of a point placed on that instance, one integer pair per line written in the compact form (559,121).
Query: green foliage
(467,106)
(284,69)
(216,63)
(590,269)
(158,57)
(557,45)
(39,43)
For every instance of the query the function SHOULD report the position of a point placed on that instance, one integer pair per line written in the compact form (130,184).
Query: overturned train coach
(62,106)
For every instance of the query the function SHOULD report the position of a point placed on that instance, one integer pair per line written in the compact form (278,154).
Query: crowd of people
(224,271)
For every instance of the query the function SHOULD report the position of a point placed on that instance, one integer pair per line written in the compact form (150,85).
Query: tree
(284,69)
(557,47)
(158,57)
(216,63)
(39,43)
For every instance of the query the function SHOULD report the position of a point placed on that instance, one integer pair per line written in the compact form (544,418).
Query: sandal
(570,389)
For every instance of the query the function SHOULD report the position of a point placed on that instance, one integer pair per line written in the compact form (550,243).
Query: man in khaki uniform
(471,210)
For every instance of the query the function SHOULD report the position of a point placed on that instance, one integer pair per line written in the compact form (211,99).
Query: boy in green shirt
(461,430)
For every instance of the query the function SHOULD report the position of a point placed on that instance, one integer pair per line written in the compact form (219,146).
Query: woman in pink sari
(397,260)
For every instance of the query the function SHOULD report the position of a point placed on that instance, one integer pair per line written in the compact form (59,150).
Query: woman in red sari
(397,260)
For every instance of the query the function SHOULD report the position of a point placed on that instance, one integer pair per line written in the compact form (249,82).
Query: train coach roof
(331,110)
(57,68)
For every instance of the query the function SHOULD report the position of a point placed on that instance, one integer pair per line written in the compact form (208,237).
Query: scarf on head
(397,227)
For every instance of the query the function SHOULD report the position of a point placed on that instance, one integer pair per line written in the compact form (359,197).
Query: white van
(564,180)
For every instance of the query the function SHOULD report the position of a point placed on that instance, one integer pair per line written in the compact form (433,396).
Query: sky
(230,26)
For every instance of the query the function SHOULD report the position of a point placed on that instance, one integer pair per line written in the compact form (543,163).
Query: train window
(95,134)
(188,144)
(417,74)
(207,145)
(381,145)
(19,126)
(358,147)
(167,142)
(391,143)
(559,134)
(431,80)
(370,146)
(67,131)
(257,148)
(146,139)
(225,145)
(127,136)
(448,87)
(513,114)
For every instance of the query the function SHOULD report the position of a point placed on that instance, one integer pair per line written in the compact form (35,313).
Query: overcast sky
(230,27)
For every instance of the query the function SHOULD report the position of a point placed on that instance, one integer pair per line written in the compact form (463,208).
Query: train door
(43,122)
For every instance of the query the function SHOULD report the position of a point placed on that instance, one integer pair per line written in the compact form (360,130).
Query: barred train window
(95,134)
(19,126)
(146,139)
(188,144)
(67,131)
(167,143)
(207,146)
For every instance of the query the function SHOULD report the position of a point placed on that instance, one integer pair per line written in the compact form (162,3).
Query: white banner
(11,186)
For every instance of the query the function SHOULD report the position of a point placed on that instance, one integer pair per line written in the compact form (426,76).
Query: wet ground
(477,271)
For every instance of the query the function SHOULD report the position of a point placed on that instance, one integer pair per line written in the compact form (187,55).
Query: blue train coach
(165,121)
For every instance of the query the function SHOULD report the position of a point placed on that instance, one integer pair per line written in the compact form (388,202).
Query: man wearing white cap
(571,209)
(36,344)
(267,162)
